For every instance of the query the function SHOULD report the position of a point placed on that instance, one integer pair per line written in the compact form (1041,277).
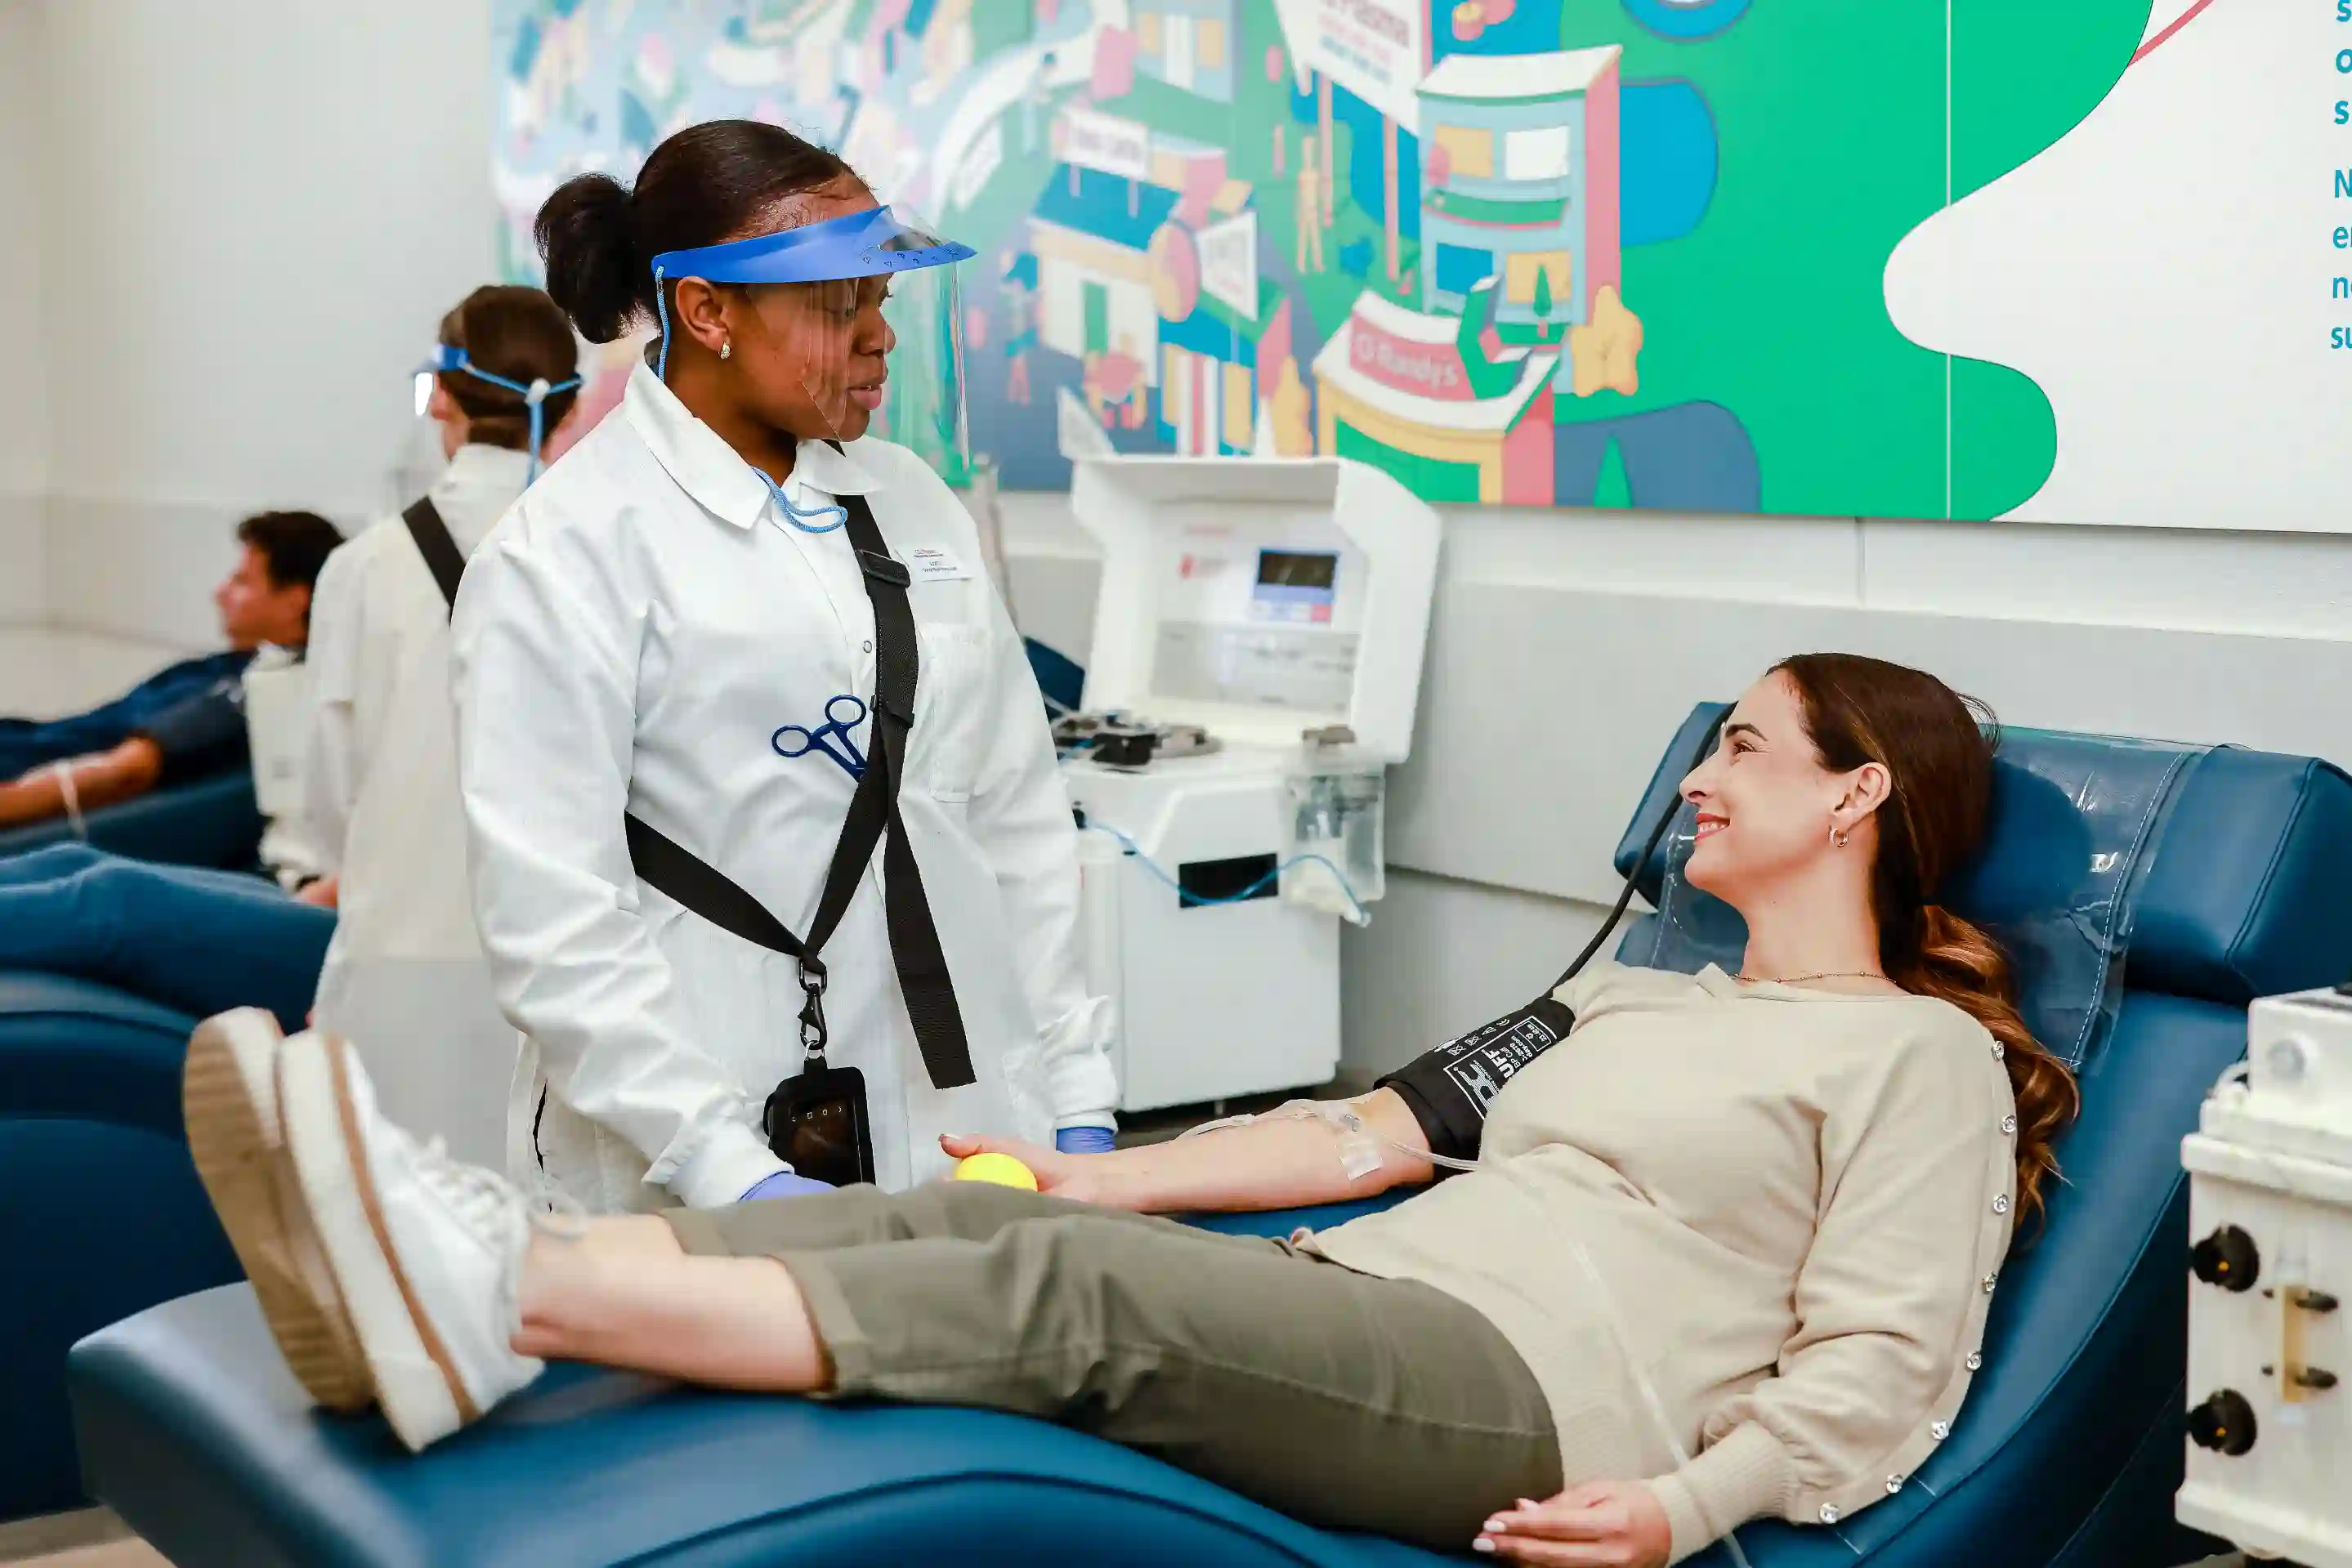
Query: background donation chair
(103,1215)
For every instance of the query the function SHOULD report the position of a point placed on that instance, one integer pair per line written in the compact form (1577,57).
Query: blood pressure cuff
(201,734)
(1449,1089)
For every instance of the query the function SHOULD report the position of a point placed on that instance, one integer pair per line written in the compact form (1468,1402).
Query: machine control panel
(2269,1207)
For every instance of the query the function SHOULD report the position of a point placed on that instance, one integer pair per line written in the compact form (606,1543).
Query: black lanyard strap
(442,557)
(692,882)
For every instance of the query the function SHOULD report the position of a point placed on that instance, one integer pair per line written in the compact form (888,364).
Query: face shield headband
(445,360)
(871,244)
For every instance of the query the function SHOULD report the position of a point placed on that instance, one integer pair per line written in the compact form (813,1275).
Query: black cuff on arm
(1448,1089)
(203,734)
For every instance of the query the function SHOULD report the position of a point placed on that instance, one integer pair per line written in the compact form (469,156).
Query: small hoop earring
(726,347)
(1836,838)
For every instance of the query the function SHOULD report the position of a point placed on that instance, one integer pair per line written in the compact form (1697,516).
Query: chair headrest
(2243,894)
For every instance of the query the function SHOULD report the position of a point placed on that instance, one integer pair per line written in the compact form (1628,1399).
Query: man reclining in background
(184,722)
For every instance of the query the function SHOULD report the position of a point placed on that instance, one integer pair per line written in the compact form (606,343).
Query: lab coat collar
(836,473)
(477,487)
(711,471)
(477,465)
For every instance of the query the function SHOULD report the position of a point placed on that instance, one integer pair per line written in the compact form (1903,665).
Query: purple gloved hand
(1084,1140)
(786,1183)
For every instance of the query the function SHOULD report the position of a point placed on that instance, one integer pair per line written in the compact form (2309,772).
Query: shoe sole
(416,1381)
(229,1100)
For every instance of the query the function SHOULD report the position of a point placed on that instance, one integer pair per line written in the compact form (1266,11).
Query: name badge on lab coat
(929,563)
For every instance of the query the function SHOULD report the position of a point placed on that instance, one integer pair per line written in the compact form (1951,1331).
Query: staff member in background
(667,626)
(404,977)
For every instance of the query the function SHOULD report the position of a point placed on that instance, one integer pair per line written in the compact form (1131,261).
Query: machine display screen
(1296,569)
(1296,585)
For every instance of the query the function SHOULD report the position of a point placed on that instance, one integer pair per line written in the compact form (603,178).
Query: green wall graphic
(1614,252)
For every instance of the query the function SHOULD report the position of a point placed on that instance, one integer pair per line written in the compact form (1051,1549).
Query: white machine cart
(1258,600)
(2270,1350)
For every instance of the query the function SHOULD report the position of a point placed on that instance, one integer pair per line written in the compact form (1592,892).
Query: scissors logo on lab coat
(841,715)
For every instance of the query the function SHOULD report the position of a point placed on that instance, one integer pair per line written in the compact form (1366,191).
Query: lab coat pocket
(951,719)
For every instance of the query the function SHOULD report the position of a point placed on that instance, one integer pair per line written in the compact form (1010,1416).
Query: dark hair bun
(591,268)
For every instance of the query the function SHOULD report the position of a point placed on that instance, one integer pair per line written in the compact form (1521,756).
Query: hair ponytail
(584,237)
(517,334)
(1956,961)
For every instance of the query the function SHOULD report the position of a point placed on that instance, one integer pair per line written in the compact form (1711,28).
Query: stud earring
(1837,838)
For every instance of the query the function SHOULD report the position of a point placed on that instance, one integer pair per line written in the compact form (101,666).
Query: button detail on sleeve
(2009,1125)
(2000,1204)
(1988,1281)
(1976,1360)
(1829,1513)
(1939,1430)
(1893,1484)
(1997,1051)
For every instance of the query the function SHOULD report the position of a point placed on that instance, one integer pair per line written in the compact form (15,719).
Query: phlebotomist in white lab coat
(668,625)
(405,979)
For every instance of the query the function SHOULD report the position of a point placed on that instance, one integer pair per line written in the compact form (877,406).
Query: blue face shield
(446,361)
(901,377)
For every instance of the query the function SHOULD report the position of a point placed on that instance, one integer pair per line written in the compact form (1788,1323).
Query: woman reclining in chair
(1779,1198)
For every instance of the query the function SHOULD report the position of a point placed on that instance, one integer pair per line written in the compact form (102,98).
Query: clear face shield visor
(865,309)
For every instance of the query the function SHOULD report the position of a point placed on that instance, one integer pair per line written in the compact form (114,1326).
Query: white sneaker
(428,1251)
(228,1097)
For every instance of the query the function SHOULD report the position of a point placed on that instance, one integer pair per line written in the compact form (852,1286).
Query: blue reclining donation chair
(103,1215)
(2066,1452)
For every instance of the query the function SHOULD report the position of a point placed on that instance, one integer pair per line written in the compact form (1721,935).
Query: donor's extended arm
(82,783)
(1296,1158)
(1278,1162)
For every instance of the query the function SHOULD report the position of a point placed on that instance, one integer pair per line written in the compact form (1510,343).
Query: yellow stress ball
(1002,1169)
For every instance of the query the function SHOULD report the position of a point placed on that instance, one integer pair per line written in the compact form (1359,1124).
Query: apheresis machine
(1257,660)
(2270,1352)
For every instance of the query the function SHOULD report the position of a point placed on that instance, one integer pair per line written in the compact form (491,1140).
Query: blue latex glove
(1084,1140)
(786,1183)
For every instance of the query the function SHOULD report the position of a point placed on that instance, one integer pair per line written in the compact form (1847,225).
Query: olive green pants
(1340,1399)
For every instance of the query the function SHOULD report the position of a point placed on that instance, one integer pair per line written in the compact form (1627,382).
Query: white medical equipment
(1260,625)
(277,704)
(2270,1216)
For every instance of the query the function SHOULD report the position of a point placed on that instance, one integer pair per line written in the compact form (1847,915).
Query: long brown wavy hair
(1938,749)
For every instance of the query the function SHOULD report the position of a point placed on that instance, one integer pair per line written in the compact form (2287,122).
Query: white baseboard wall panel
(1442,957)
(1543,713)
(23,558)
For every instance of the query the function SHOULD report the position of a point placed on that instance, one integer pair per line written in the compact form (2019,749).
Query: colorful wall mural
(1586,252)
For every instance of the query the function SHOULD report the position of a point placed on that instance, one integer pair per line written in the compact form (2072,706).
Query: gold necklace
(1748,979)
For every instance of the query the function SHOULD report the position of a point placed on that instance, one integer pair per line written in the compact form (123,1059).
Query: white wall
(24,398)
(256,211)
(1567,645)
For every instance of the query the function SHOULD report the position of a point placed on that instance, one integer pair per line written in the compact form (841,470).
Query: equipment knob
(2228,1258)
(2224,1423)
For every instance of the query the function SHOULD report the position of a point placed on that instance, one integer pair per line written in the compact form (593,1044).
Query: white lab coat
(630,640)
(404,979)
(278,727)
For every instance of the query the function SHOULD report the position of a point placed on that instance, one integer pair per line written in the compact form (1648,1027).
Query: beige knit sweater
(1797,1201)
